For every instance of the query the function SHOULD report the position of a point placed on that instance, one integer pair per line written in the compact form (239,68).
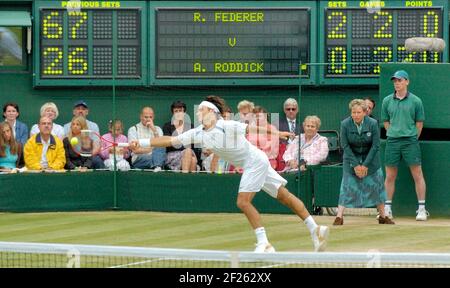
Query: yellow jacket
(56,155)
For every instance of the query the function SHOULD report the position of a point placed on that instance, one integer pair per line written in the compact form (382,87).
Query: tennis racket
(89,143)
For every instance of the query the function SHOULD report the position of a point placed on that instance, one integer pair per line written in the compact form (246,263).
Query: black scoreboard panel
(360,35)
(81,45)
(65,52)
(232,42)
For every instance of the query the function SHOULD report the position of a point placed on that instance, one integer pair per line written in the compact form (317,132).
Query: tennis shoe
(388,212)
(320,238)
(264,248)
(422,214)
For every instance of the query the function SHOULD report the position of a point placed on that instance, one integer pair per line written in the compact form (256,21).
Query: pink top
(266,142)
(119,139)
(313,152)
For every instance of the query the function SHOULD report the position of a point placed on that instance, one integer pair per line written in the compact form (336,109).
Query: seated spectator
(43,151)
(50,110)
(81,108)
(121,153)
(264,141)
(19,129)
(313,146)
(370,103)
(245,109)
(182,158)
(10,149)
(147,158)
(227,113)
(74,161)
(289,123)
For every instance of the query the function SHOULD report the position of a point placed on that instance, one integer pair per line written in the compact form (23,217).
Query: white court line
(137,263)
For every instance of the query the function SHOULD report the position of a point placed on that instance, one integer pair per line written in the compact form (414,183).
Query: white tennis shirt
(226,139)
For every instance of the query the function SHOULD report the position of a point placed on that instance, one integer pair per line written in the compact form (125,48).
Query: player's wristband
(144,142)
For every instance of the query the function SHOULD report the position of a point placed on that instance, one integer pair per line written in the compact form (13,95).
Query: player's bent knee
(243,202)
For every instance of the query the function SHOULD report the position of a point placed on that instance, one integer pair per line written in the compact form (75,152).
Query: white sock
(421,204)
(261,236)
(311,224)
(387,204)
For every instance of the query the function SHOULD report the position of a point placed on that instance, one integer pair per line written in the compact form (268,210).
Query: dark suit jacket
(284,126)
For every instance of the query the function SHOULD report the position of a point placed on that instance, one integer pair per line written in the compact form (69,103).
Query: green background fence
(137,191)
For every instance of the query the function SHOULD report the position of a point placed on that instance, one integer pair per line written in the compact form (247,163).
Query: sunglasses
(290,109)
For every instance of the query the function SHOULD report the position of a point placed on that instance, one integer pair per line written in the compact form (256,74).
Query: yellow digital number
(409,57)
(387,51)
(338,67)
(82,17)
(57,55)
(434,57)
(429,25)
(81,62)
(383,31)
(335,34)
(47,24)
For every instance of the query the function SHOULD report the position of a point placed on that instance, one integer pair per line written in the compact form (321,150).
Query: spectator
(74,161)
(146,157)
(50,110)
(81,109)
(115,134)
(402,114)
(227,113)
(10,149)
(43,151)
(20,130)
(289,123)
(370,103)
(181,158)
(313,146)
(265,142)
(362,180)
(245,109)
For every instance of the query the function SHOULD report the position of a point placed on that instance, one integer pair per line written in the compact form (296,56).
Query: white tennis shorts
(259,175)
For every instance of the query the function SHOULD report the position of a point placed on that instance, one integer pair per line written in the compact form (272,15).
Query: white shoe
(422,214)
(264,248)
(157,169)
(388,212)
(320,238)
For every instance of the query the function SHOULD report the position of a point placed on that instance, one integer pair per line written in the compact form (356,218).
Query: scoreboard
(369,32)
(87,42)
(144,43)
(232,42)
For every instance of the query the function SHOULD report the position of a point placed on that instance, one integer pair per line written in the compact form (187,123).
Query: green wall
(430,83)
(136,191)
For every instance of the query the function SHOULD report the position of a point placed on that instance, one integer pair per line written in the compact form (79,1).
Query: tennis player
(226,138)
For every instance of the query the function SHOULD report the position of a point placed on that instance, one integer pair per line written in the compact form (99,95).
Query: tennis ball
(74,141)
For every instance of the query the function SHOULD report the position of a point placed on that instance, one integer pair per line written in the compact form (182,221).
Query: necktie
(292,127)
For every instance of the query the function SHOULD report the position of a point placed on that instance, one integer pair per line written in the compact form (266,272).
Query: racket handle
(123,144)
